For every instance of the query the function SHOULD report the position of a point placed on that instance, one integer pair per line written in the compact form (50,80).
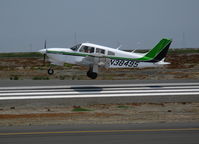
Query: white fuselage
(88,54)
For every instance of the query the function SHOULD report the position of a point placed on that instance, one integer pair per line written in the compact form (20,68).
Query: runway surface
(94,91)
(175,133)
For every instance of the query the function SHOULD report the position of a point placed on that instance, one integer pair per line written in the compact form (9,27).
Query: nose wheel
(50,71)
(92,75)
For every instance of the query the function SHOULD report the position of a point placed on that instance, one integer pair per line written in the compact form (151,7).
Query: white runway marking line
(99,92)
(94,96)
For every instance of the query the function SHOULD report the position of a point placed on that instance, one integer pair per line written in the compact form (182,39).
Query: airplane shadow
(98,89)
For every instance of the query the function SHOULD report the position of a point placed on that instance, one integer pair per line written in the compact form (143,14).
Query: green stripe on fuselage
(67,53)
(84,55)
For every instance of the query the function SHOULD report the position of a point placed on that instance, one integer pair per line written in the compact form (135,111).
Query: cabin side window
(100,51)
(111,53)
(87,49)
(92,49)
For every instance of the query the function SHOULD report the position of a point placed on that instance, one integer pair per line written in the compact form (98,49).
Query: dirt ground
(101,114)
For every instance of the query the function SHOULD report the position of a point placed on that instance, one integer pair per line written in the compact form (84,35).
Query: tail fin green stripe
(158,48)
(158,52)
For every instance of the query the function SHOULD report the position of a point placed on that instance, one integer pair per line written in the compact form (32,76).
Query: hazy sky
(136,24)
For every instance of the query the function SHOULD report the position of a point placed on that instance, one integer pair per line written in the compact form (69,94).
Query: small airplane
(95,56)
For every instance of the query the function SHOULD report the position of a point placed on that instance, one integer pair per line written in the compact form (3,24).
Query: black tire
(50,71)
(88,73)
(92,75)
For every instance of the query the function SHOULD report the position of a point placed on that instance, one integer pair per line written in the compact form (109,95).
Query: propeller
(44,60)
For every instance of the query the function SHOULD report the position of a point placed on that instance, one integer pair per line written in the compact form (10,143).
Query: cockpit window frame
(76,47)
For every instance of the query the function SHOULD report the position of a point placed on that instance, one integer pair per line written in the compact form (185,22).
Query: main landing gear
(92,74)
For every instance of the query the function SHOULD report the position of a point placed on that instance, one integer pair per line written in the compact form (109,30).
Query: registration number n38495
(123,63)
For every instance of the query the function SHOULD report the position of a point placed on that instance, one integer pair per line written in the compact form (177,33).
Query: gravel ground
(101,114)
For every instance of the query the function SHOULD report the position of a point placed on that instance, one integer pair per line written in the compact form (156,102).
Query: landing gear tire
(50,71)
(92,75)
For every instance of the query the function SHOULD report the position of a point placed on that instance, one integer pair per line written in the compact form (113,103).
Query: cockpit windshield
(76,47)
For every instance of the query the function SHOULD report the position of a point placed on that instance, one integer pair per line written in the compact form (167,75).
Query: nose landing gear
(50,71)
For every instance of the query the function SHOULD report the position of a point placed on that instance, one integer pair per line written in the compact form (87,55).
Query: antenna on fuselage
(119,46)
(134,50)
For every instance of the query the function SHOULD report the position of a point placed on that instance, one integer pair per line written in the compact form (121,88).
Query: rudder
(160,51)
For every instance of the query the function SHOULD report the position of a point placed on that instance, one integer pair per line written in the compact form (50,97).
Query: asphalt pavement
(161,133)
